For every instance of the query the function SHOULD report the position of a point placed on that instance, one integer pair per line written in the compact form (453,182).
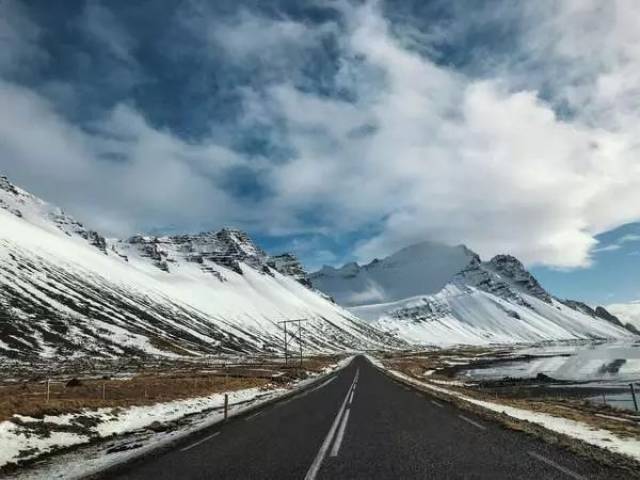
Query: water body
(598,362)
(606,368)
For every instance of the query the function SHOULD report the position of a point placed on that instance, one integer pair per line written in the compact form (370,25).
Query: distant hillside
(436,294)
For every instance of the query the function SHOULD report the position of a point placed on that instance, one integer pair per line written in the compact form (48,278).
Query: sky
(340,130)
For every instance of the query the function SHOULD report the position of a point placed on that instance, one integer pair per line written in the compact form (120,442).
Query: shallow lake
(607,367)
(617,363)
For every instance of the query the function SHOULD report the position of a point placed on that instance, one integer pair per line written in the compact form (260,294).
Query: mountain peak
(36,211)
(288,264)
(512,269)
(424,267)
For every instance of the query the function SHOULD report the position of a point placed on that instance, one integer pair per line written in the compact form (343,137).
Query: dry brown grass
(28,397)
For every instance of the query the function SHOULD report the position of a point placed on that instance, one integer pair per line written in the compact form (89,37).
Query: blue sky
(342,130)
(613,276)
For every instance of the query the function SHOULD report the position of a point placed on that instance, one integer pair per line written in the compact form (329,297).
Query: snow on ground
(18,438)
(126,427)
(578,430)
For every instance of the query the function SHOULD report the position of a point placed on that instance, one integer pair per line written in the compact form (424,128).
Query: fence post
(604,398)
(48,389)
(226,405)
(633,395)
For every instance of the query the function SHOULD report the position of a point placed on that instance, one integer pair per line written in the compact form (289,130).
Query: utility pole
(292,336)
(286,356)
(300,340)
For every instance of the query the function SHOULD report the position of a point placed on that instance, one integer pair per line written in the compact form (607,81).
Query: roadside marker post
(48,389)
(633,395)
(226,405)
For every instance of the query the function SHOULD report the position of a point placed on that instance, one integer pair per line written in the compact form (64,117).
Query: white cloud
(630,237)
(618,244)
(456,159)
(427,150)
(607,248)
(150,175)
(372,293)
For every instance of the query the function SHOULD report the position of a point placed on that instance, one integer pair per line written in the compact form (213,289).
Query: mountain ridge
(497,301)
(66,291)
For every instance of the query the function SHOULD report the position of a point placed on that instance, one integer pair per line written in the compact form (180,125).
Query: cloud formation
(461,159)
(360,122)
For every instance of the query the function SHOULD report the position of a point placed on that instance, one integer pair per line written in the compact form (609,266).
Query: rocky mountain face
(22,204)
(603,313)
(510,268)
(497,301)
(627,313)
(288,264)
(66,291)
(227,248)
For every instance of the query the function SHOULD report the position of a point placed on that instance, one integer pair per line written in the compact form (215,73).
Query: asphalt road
(360,424)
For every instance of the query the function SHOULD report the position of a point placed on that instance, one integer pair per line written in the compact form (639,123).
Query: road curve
(360,424)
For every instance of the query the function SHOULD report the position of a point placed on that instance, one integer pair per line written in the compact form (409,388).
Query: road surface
(360,424)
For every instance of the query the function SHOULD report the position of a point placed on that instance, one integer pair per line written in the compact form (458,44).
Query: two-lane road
(362,424)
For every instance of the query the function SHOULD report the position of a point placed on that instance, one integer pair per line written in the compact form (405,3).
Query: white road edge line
(475,424)
(199,442)
(338,441)
(254,415)
(315,466)
(351,396)
(323,384)
(439,405)
(553,464)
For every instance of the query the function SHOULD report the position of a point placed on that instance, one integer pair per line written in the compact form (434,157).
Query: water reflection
(599,362)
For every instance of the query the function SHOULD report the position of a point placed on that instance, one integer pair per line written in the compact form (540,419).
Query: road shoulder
(583,440)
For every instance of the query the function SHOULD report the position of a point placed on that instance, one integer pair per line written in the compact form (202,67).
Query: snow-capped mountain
(65,290)
(450,296)
(416,270)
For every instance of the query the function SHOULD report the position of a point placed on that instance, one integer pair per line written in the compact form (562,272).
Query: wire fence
(626,400)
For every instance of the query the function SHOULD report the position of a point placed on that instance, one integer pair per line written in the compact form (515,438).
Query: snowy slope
(66,291)
(481,303)
(419,269)
(628,313)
